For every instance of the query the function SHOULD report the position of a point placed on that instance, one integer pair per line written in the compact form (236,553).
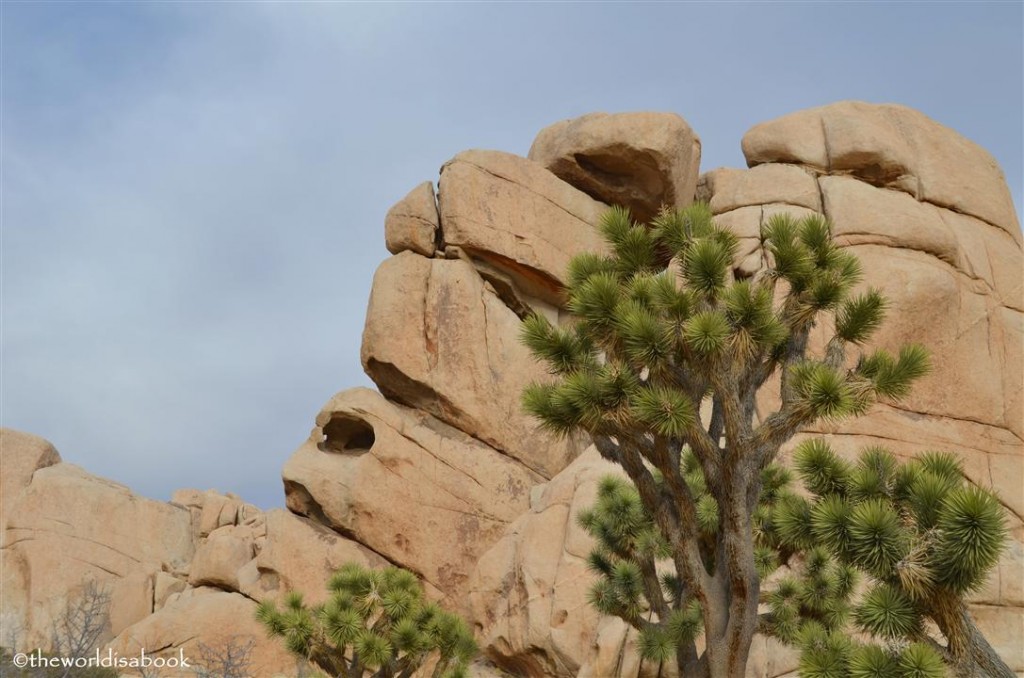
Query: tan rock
(412,223)
(864,214)
(23,454)
(68,527)
(219,558)
(728,189)
(131,600)
(213,505)
(301,555)
(437,339)
(405,485)
(208,618)
(639,160)
(528,592)
(517,216)
(969,346)
(164,586)
(989,254)
(890,145)
(1003,627)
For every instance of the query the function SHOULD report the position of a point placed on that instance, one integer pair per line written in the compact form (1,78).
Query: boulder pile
(442,473)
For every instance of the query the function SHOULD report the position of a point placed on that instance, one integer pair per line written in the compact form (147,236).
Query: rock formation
(440,472)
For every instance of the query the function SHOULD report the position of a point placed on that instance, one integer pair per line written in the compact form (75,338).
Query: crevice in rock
(501,271)
(525,188)
(439,233)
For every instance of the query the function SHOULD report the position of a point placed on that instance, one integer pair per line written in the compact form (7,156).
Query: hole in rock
(345,433)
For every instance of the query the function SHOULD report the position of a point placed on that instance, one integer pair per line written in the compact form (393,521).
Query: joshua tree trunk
(966,647)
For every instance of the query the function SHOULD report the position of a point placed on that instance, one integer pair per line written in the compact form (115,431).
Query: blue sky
(193,194)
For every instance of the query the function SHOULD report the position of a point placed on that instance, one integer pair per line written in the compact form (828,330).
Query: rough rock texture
(444,475)
(892,146)
(516,216)
(211,618)
(438,338)
(640,160)
(412,223)
(68,527)
(23,455)
(418,492)
(528,592)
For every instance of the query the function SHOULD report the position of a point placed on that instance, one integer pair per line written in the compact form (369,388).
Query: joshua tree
(922,536)
(879,549)
(663,332)
(376,623)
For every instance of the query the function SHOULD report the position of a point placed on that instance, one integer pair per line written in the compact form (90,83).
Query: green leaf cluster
(921,536)
(374,622)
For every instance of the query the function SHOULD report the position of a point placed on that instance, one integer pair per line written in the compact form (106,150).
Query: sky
(193,194)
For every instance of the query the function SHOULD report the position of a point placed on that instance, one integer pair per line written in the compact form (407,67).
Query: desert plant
(663,330)
(919,535)
(231,658)
(76,629)
(375,622)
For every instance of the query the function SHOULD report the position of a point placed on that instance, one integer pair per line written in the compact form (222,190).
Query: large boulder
(528,593)
(299,554)
(69,527)
(412,489)
(642,161)
(514,215)
(439,338)
(893,146)
(202,624)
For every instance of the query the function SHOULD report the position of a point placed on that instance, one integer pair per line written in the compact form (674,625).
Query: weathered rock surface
(69,527)
(528,593)
(515,215)
(23,455)
(202,622)
(640,160)
(416,491)
(412,223)
(890,145)
(439,339)
(727,189)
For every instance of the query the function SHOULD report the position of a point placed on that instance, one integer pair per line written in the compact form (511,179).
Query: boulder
(204,622)
(728,189)
(412,223)
(412,489)
(639,160)
(893,146)
(863,214)
(23,455)
(528,591)
(219,558)
(69,527)
(300,554)
(515,215)
(439,339)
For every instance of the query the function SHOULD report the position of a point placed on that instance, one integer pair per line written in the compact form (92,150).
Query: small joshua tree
(922,536)
(663,329)
(375,623)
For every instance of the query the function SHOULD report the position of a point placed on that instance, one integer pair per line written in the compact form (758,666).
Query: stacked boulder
(440,471)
